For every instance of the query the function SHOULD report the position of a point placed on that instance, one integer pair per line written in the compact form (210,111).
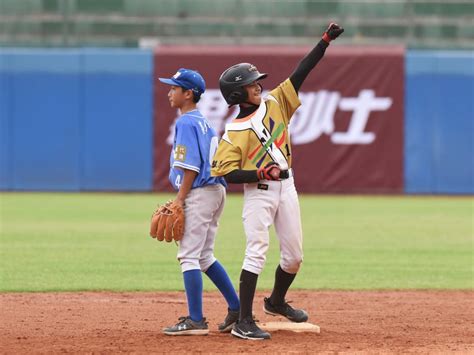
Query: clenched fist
(332,32)
(271,171)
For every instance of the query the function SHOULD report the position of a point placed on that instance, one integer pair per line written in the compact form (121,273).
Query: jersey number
(177,182)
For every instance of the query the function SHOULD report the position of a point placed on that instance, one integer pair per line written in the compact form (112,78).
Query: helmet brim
(249,81)
(262,76)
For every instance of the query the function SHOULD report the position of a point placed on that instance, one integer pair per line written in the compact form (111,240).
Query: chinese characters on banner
(347,136)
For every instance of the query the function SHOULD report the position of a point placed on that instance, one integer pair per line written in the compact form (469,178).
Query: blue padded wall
(76,119)
(5,125)
(117,148)
(44,113)
(439,122)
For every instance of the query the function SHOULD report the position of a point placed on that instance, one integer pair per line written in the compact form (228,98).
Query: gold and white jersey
(253,141)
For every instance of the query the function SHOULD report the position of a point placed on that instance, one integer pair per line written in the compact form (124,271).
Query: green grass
(70,242)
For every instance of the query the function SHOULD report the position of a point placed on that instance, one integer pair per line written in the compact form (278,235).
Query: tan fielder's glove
(167,222)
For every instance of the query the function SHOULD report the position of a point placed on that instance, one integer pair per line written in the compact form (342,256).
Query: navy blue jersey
(195,143)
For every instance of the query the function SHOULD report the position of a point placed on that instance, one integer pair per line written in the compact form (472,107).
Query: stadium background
(80,110)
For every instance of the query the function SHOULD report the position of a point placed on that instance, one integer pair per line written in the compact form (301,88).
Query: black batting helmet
(233,80)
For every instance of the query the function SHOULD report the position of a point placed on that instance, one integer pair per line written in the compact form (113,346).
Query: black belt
(285,174)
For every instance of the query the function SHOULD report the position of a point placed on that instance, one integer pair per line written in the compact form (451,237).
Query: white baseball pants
(275,202)
(203,207)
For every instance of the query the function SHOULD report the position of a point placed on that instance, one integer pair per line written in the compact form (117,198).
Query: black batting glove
(332,32)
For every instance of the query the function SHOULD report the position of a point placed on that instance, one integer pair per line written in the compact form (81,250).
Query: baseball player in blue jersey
(202,197)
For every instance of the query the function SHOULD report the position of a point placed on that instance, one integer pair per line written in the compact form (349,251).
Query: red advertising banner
(347,136)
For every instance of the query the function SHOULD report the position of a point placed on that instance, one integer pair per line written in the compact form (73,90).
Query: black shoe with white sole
(186,326)
(285,310)
(247,329)
(229,321)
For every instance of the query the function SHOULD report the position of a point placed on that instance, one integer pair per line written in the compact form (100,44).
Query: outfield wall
(92,119)
(439,115)
(76,119)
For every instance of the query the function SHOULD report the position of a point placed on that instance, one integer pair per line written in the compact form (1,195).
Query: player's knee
(255,253)
(189,264)
(205,263)
(291,265)
(254,264)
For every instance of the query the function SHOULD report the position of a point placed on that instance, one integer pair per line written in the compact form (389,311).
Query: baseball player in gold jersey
(255,150)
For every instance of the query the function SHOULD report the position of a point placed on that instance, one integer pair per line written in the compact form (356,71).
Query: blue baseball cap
(187,79)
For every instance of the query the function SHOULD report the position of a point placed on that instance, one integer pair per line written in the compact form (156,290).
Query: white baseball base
(294,327)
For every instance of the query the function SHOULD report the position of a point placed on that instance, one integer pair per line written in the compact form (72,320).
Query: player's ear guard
(233,80)
(237,96)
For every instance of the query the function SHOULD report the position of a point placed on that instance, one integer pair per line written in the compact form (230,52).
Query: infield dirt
(350,321)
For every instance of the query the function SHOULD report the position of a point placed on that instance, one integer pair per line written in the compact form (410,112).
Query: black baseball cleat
(229,321)
(186,326)
(285,310)
(247,329)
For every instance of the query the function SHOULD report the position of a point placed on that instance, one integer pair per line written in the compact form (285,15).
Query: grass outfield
(96,241)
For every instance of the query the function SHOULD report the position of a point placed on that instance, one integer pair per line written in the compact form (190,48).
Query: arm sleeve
(307,64)
(226,159)
(241,176)
(187,153)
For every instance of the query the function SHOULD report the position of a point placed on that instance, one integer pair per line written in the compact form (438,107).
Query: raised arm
(312,58)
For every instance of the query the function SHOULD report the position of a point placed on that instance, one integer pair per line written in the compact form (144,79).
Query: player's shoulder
(193,114)
(284,89)
(226,138)
(191,118)
(284,85)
